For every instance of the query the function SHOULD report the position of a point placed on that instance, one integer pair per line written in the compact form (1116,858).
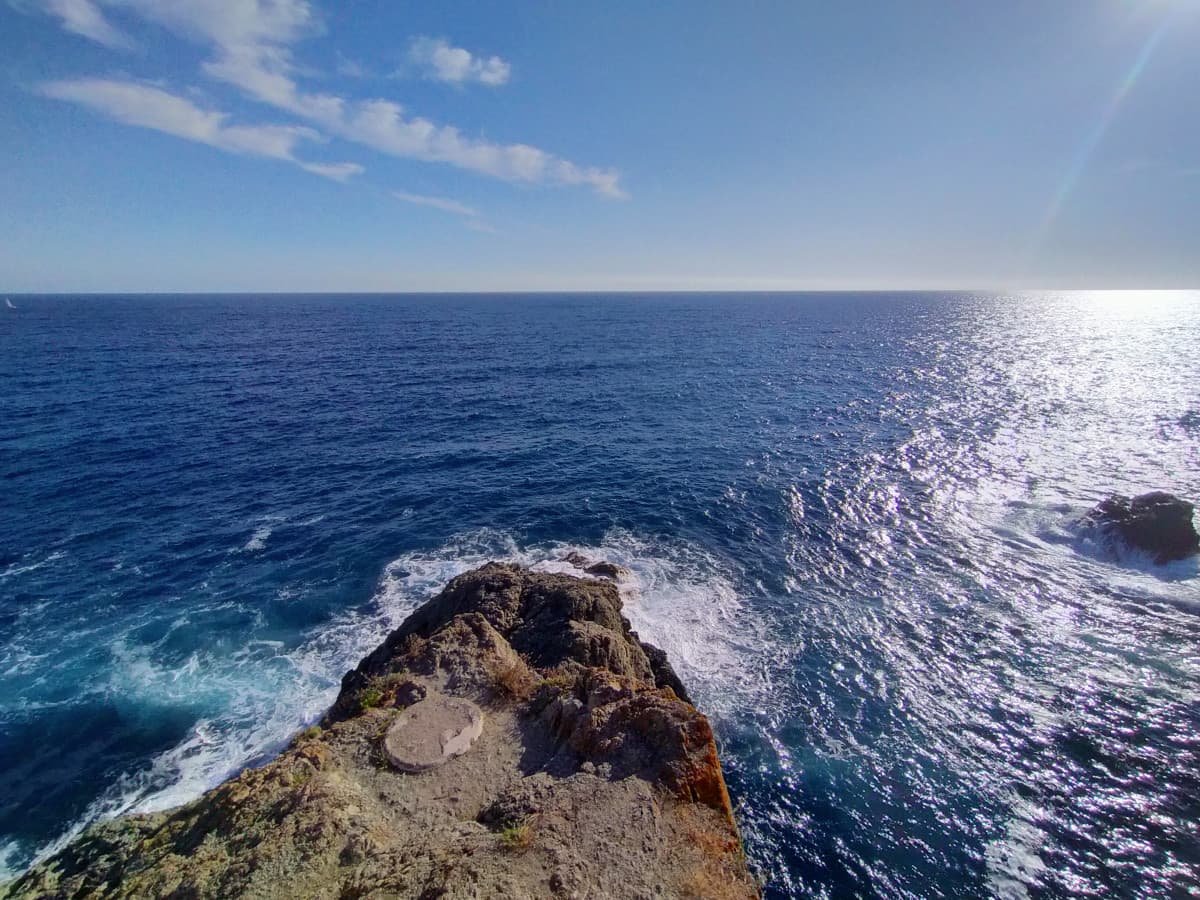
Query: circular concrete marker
(432,731)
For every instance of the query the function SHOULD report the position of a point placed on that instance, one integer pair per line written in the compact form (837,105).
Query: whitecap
(21,569)
(258,540)
(10,852)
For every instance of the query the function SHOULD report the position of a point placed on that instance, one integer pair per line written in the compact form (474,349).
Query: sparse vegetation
(370,696)
(517,837)
(707,884)
(380,691)
(411,644)
(515,679)
(717,857)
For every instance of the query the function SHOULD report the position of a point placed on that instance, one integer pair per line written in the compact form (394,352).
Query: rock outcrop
(570,764)
(601,569)
(1157,523)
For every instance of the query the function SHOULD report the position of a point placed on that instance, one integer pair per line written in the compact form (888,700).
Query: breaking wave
(677,596)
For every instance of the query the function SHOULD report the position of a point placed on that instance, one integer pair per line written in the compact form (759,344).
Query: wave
(262,533)
(249,703)
(18,569)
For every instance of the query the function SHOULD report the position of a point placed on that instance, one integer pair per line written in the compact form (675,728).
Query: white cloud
(229,23)
(337,171)
(442,203)
(471,216)
(222,22)
(266,73)
(440,61)
(252,40)
(84,18)
(150,107)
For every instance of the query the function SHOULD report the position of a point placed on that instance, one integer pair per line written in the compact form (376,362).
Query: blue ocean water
(850,519)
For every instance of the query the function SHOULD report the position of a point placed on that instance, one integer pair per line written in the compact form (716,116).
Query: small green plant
(370,696)
(313,731)
(301,778)
(517,837)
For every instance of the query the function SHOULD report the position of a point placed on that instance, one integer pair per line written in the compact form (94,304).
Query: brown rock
(591,774)
(608,570)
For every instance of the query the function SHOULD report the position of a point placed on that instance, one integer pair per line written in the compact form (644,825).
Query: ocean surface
(851,519)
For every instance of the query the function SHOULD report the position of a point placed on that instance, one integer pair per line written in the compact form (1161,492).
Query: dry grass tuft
(517,838)
(716,857)
(710,884)
(515,679)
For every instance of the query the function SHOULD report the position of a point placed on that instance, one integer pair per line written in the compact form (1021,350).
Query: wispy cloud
(343,171)
(230,23)
(350,68)
(266,73)
(150,107)
(442,203)
(470,216)
(84,18)
(440,61)
(252,42)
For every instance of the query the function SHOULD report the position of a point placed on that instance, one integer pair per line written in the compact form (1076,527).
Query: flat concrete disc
(432,731)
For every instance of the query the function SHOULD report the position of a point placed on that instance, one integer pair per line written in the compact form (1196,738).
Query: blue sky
(213,145)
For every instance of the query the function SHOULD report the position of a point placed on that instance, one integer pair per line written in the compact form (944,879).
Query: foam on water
(24,568)
(678,597)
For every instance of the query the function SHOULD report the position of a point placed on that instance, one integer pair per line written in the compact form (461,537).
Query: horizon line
(594,291)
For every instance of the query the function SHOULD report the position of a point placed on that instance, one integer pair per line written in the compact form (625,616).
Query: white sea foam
(1055,533)
(258,540)
(678,597)
(22,568)
(9,853)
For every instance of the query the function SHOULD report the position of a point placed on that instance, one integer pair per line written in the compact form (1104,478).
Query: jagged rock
(608,570)
(664,674)
(548,619)
(594,775)
(1157,523)
(601,569)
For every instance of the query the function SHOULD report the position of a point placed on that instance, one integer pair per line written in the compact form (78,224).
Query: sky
(313,145)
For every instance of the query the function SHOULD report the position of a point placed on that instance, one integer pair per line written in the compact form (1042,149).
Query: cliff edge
(513,738)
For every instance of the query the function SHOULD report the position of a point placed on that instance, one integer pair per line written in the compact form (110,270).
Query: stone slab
(431,732)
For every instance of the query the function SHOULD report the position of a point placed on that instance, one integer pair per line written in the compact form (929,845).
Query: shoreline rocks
(512,738)
(600,569)
(1157,523)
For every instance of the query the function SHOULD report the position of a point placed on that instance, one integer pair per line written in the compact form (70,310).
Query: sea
(852,521)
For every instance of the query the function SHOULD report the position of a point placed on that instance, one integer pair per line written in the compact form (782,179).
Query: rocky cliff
(513,738)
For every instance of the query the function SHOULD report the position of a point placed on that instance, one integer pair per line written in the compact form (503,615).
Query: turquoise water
(850,519)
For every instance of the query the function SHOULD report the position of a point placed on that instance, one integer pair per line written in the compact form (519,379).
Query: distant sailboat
(9,303)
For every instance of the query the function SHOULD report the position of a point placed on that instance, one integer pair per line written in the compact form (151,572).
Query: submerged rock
(593,775)
(1158,523)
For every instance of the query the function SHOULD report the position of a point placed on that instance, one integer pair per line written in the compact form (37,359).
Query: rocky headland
(513,738)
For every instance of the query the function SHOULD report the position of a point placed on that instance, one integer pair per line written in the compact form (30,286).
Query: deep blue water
(850,519)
